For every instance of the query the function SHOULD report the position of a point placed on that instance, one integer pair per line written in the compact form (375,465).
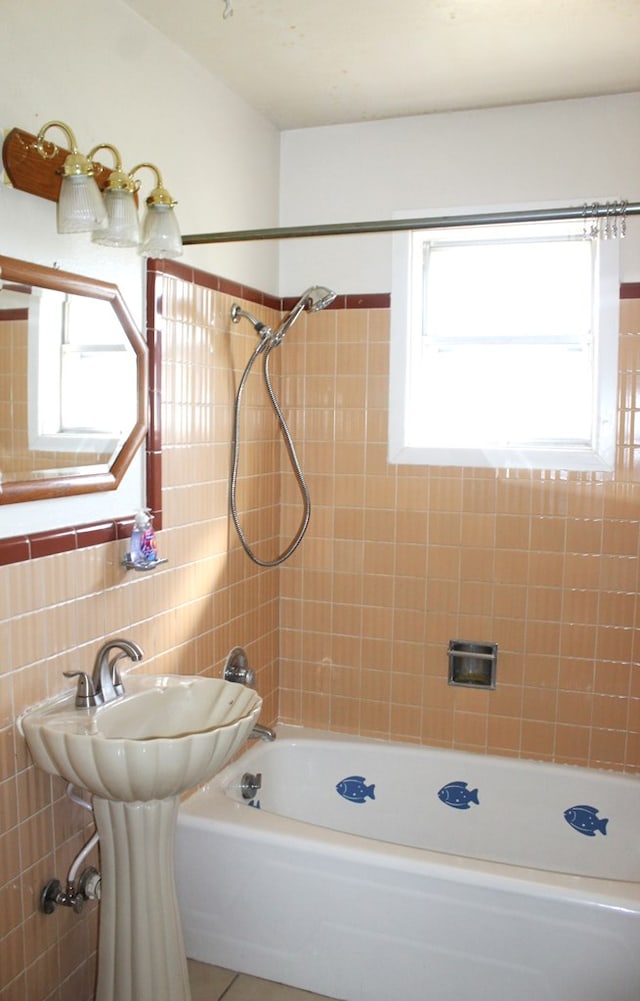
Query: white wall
(567,152)
(112,77)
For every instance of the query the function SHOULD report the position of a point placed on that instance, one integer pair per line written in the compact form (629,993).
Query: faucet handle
(85,693)
(237,668)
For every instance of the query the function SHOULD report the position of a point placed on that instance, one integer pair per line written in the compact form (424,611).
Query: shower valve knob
(237,668)
(250,784)
(50,896)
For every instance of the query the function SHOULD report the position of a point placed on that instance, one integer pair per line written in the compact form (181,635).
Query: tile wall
(57,610)
(402,559)
(352,633)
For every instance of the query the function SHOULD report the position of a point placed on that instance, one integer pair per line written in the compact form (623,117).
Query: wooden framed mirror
(74,384)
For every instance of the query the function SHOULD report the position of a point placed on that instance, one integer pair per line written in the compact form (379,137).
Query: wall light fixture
(80,205)
(123,226)
(160,230)
(91,197)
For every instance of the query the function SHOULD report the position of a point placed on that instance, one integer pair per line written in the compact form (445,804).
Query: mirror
(73,384)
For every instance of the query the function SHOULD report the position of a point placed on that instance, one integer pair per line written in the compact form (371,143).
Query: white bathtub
(370,871)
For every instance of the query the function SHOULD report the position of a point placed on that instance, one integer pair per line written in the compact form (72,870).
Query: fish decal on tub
(585,820)
(355,789)
(458,795)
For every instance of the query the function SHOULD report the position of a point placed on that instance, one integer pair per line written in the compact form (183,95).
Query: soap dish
(142,566)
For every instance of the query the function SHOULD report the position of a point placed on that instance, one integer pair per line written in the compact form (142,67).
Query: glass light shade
(80,205)
(161,233)
(123,226)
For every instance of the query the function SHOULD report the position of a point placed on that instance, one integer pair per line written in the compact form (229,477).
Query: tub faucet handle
(237,668)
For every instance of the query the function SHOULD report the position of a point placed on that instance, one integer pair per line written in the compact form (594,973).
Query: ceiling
(305,63)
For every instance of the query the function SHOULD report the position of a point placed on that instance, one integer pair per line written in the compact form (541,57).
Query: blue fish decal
(354,789)
(585,820)
(458,795)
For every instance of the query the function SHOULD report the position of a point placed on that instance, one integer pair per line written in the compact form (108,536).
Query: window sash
(580,350)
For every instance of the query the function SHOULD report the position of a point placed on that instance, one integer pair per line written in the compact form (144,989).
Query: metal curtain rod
(586,212)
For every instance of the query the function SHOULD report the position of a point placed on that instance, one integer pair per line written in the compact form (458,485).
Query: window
(504,347)
(82,376)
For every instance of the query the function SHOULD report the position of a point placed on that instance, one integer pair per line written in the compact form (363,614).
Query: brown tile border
(373,300)
(94,535)
(60,540)
(153,307)
(63,540)
(367,300)
(13,314)
(14,550)
(216,282)
(50,543)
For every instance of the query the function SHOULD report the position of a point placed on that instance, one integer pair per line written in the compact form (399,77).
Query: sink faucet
(106,676)
(106,684)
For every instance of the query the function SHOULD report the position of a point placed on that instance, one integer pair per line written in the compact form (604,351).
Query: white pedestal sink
(136,755)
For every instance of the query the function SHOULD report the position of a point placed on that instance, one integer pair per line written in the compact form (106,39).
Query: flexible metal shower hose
(265,348)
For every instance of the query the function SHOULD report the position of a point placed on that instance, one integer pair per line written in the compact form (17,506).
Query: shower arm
(237,314)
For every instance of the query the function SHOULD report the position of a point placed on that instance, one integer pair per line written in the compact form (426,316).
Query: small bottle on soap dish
(143,549)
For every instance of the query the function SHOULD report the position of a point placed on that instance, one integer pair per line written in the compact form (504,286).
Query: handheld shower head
(318,298)
(314,299)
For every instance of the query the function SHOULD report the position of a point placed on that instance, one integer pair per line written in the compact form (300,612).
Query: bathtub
(371,871)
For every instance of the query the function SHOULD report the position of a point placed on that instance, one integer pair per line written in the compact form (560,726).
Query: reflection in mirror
(73,384)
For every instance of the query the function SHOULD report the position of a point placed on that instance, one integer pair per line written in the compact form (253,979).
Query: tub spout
(262,733)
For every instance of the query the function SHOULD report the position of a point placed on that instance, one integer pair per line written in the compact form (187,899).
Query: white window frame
(406,325)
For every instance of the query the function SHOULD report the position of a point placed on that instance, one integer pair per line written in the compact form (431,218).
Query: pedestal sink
(136,755)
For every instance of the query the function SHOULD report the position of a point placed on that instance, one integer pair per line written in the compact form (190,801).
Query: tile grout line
(228,988)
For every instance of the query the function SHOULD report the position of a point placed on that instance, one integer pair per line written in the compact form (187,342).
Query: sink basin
(165,735)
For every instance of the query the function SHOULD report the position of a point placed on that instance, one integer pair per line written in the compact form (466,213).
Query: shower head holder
(238,313)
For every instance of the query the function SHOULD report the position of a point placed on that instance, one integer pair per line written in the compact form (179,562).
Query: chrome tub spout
(262,733)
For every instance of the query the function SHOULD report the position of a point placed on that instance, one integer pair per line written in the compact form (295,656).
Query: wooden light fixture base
(28,171)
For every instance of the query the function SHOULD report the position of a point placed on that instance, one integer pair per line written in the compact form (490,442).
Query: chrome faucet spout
(107,682)
(262,733)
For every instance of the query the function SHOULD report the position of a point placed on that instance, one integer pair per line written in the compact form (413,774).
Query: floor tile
(254,989)
(208,983)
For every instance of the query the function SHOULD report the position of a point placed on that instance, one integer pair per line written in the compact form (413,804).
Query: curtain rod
(586,212)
